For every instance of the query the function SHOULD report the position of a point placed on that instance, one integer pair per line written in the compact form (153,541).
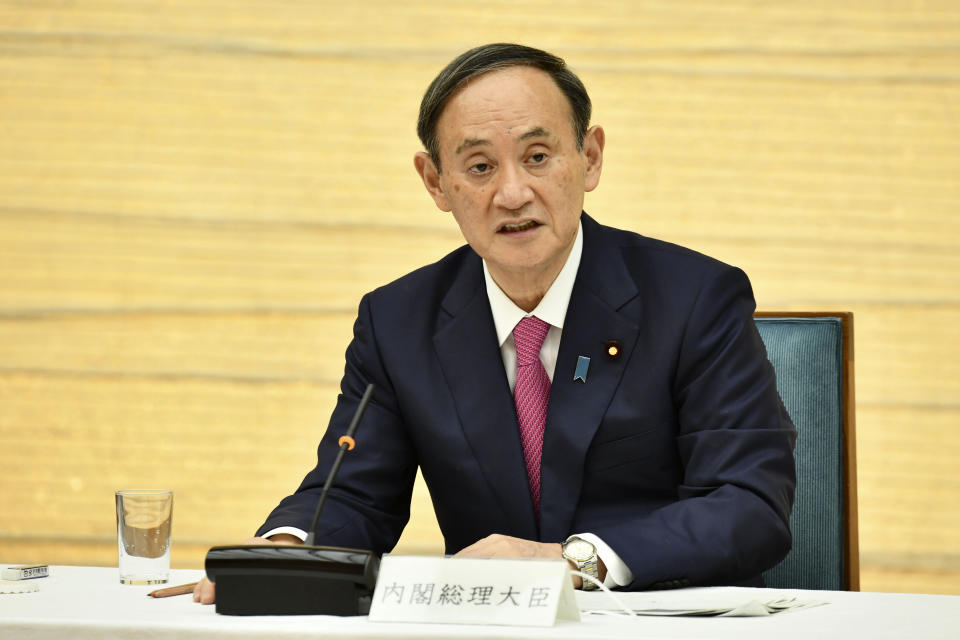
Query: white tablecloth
(89,602)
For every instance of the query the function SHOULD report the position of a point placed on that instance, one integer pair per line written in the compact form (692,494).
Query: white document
(706,601)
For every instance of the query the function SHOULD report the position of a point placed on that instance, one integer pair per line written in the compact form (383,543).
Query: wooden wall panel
(102,433)
(62,261)
(902,371)
(112,263)
(909,485)
(193,196)
(222,138)
(229,449)
(242,346)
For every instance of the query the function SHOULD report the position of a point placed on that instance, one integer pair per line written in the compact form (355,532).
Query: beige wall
(194,194)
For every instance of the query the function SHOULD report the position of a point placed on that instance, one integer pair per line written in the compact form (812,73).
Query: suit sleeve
(730,519)
(369,503)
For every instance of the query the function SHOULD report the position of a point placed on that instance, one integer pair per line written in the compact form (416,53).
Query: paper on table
(715,601)
(9,586)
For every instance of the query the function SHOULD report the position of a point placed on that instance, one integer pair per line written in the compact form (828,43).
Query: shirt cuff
(300,533)
(618,573)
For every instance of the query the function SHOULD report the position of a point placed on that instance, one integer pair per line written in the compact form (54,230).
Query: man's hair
(491,57)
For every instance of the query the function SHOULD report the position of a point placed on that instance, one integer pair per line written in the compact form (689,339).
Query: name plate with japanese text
(528,592)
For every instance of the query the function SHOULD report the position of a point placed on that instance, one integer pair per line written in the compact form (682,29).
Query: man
(568,389)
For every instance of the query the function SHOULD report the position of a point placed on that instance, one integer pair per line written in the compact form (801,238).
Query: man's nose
(513,188)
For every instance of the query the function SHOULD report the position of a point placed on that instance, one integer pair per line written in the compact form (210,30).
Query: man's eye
(480,167)
(537,158)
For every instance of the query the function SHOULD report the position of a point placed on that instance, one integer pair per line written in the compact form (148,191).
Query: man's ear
(593,144)
(431,179)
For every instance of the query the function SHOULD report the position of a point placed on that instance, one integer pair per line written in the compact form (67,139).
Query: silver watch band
(589,567)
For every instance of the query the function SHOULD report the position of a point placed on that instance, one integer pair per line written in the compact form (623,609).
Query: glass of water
(144,517)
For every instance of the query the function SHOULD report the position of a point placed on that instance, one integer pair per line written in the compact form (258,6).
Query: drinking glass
(144,517)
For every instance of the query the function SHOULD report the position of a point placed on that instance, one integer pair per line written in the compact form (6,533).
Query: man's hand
(205,591)
(500,546)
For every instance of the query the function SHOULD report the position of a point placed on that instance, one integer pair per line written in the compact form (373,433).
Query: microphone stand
(297,579)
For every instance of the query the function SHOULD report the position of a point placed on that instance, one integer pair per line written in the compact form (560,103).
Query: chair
(812,354)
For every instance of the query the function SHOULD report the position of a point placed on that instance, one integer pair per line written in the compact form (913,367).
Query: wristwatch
(584,555)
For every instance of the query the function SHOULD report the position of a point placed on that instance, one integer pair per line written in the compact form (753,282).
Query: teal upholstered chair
(812,354)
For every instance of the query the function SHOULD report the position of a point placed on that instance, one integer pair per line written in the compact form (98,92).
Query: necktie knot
(528,336)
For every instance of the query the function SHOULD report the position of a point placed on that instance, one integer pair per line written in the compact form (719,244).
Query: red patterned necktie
(530,395)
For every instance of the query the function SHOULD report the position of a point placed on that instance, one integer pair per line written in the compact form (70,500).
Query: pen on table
(173,591)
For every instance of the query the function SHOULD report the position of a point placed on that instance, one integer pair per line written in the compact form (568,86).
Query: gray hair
(491,57)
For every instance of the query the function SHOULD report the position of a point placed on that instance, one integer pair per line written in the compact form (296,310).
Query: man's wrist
(581,554)
(613,572)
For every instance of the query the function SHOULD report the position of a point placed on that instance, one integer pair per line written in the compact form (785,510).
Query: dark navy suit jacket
(678,454)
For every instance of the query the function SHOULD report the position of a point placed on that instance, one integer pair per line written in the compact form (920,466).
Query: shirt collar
(552,309)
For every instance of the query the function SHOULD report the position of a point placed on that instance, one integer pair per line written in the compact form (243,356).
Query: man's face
(512,173)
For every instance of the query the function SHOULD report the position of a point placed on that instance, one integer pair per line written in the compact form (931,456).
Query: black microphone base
(270,580)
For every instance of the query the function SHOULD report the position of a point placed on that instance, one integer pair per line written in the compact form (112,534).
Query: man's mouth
(523,226)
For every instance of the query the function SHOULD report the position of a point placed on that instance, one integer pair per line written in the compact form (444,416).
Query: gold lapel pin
(613,349)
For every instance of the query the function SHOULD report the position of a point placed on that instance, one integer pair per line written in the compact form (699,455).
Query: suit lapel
(576,409)
(466,345)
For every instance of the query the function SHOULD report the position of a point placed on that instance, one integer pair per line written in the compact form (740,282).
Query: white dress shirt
(552,310)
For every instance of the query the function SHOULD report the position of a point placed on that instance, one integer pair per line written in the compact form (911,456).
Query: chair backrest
(812,354)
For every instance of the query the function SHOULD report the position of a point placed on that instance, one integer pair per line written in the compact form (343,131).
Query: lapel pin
(613,349)
(583,363)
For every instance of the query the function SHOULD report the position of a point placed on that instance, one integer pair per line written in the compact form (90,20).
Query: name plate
(528,592)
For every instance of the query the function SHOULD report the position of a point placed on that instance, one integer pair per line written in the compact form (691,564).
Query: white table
(89,602)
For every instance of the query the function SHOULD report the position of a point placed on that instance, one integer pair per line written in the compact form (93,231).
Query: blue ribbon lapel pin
(583,363)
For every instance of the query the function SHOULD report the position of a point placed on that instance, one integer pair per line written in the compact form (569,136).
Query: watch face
(578,550)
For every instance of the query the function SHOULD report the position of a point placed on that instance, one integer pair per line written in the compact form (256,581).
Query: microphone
(302,579)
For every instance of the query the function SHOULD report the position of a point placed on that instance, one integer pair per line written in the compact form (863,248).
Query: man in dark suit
(567,389)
